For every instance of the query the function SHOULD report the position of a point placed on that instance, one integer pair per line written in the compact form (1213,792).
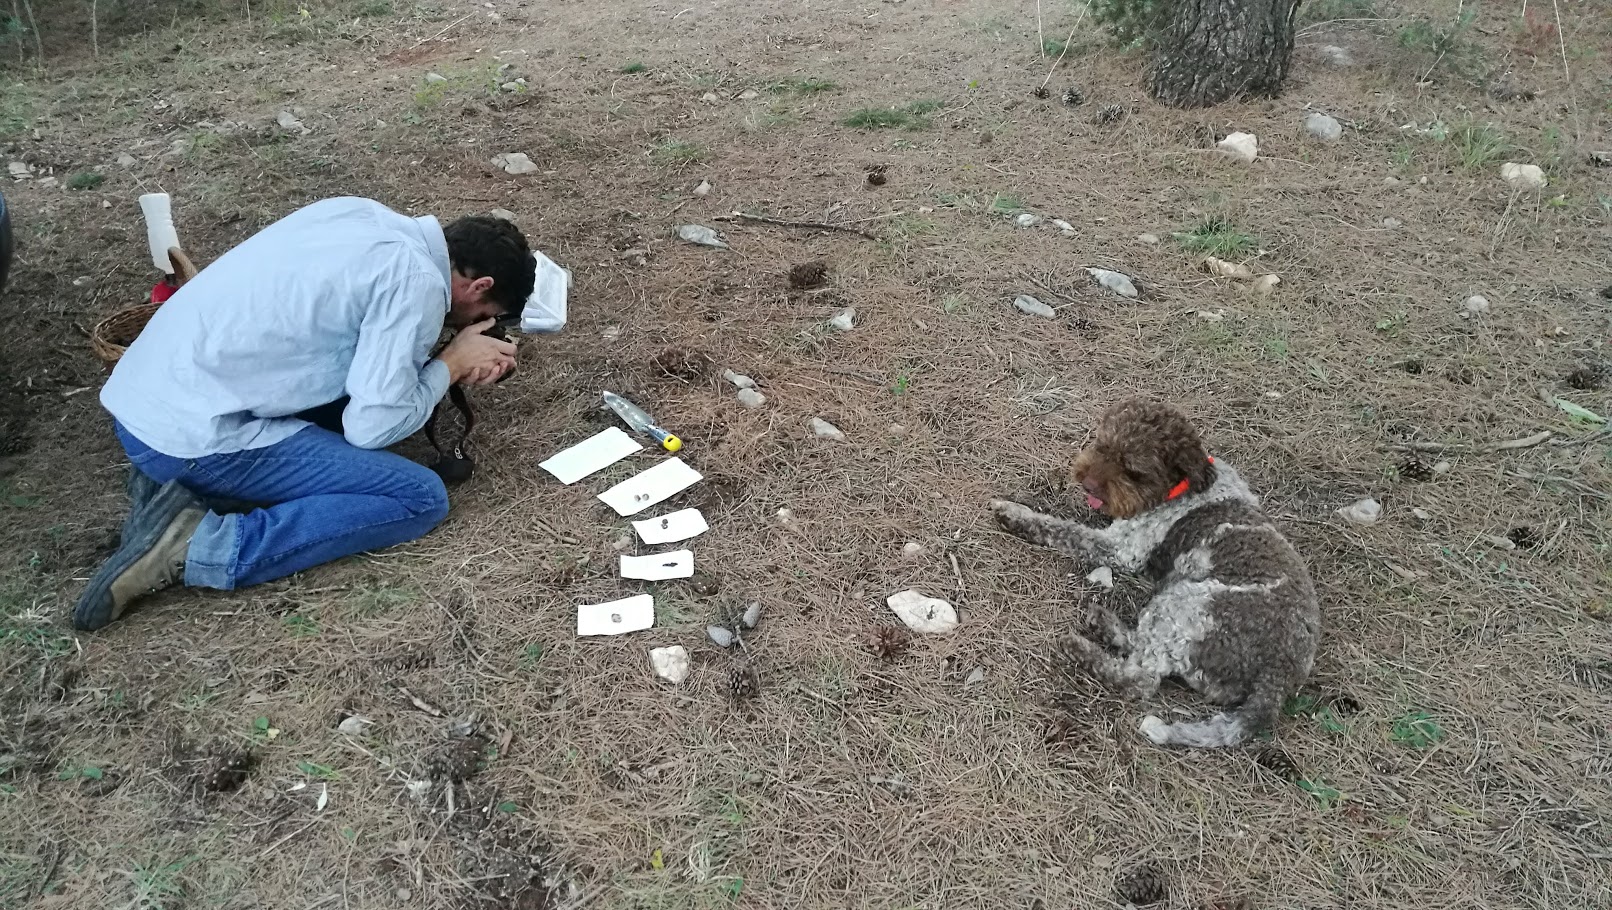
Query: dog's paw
(1009,513)
(1076,650)
(1155,729)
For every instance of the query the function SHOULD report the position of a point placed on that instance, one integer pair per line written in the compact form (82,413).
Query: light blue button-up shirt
(343,297)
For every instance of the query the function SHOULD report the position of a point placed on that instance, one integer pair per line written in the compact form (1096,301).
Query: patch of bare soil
(1451,748)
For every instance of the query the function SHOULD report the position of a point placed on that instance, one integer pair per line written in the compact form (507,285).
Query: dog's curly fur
(1234,614)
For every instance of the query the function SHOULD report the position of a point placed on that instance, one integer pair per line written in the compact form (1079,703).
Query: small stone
(1442,467)
(710,98)
(1027,304)
(635,257)
(1027,220)
(435,78)
(1476,305)
(913,549)
(749,95)
(1601,159)
(289,122)
(739,379)
(505,214)
(923,614)
(897,430)
(1422,514)
(722,635)
(975,677)
(1523,176)
(354,725)
(1243,147)
(751,398)
(1063,226)
(822,429)
(1337,56)
(1323,127)
(701,235)
(1214,316)
(786,516)
(845,321)
(703,189)
(46,183)
(127,160)
(513,87)
(1391,223)
(671,664)
(752,615)
(1115,281)
(1149,239)
(1102,576)
(1364,512)
(1265,285)
(515,163)
(610,332)
(83,281)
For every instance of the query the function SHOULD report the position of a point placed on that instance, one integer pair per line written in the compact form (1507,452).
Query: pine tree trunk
(1219,50)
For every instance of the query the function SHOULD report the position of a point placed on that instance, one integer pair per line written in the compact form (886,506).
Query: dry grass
(1451,750)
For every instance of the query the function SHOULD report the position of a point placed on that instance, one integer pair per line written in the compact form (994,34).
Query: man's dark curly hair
(485,246)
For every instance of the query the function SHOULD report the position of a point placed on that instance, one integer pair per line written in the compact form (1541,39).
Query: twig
(956,570)
(444,30)
(1065,49)
(282,841)
(420,703)
(33,26)
(1561,39)
(1525,442)
(50,869)
(1570,483)
(809,225)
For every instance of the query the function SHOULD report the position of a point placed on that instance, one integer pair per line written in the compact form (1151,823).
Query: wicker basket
(113,335)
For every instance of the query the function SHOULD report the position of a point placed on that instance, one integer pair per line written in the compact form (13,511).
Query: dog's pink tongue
(1093,501)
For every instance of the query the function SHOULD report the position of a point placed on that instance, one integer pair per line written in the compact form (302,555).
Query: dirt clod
(1524,537)
(1144,885)
(456,760)
(878,174)
(679,363)
(809,275)
(1587,378)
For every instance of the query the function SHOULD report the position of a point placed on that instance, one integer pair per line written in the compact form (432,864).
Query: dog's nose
(1091,486)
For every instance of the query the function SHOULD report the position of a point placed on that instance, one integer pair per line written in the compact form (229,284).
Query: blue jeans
(316,498)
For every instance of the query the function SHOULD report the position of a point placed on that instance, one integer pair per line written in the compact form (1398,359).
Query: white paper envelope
(650,487)
(632,614)
(595,453)
(671,528)
(659,566)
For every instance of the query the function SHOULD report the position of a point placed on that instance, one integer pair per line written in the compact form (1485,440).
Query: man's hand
(474,359)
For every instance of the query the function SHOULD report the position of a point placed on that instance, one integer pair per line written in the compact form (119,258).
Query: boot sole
(96,607)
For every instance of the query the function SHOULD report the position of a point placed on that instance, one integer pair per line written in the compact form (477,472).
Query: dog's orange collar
(1180,489)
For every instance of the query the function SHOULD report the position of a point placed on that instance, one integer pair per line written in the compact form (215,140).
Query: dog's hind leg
(1124,674)
(1111,628)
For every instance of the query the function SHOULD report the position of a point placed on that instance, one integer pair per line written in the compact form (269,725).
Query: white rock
(1225,269)
(1422,514)
(1063,226)
(739,379)
(418,789)
(515,163)
(1364,512)
(751,398)
(1114,281)
(822,429)
(897,429)
(786,516)
(83,281)
(127,160)
(1215,316)
(1102,576)
(1265,285)
(975,677)
(1476,305)
(289,122)
(1323,127)
(923,614)
(845,321)
(701,235)
(710,98)
(1027,220)
(722,635)
(1442,467)
(1391,223)
(435,78)
(1148,239)
(1523,176)
(1242,147)
(913,549)
(748,95)
(671,664)
(703,189)
(46,183)
(1337,56)
(752,614)
(505,214)
(513,87)
(355,725)
(1026,303)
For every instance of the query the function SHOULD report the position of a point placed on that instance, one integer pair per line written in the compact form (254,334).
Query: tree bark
(1220,50)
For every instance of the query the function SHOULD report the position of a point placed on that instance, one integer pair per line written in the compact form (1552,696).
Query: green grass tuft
(914,116)
(1218,237)
(676,152)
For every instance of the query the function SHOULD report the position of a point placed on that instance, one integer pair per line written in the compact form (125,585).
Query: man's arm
(392,389)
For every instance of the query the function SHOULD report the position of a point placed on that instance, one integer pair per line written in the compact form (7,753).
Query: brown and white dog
(1234,614)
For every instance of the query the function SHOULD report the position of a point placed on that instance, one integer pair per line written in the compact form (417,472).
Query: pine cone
(1073,96)
(877,176)
(1059,730)
(888,642)
(1146,884)
(1110,114)
(1278,763)
(1589,377)
(743,681)
(1040,91)
(224,771)
(1415,469)
(682,364)
(456,760)
(1524,537)
(809,274)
